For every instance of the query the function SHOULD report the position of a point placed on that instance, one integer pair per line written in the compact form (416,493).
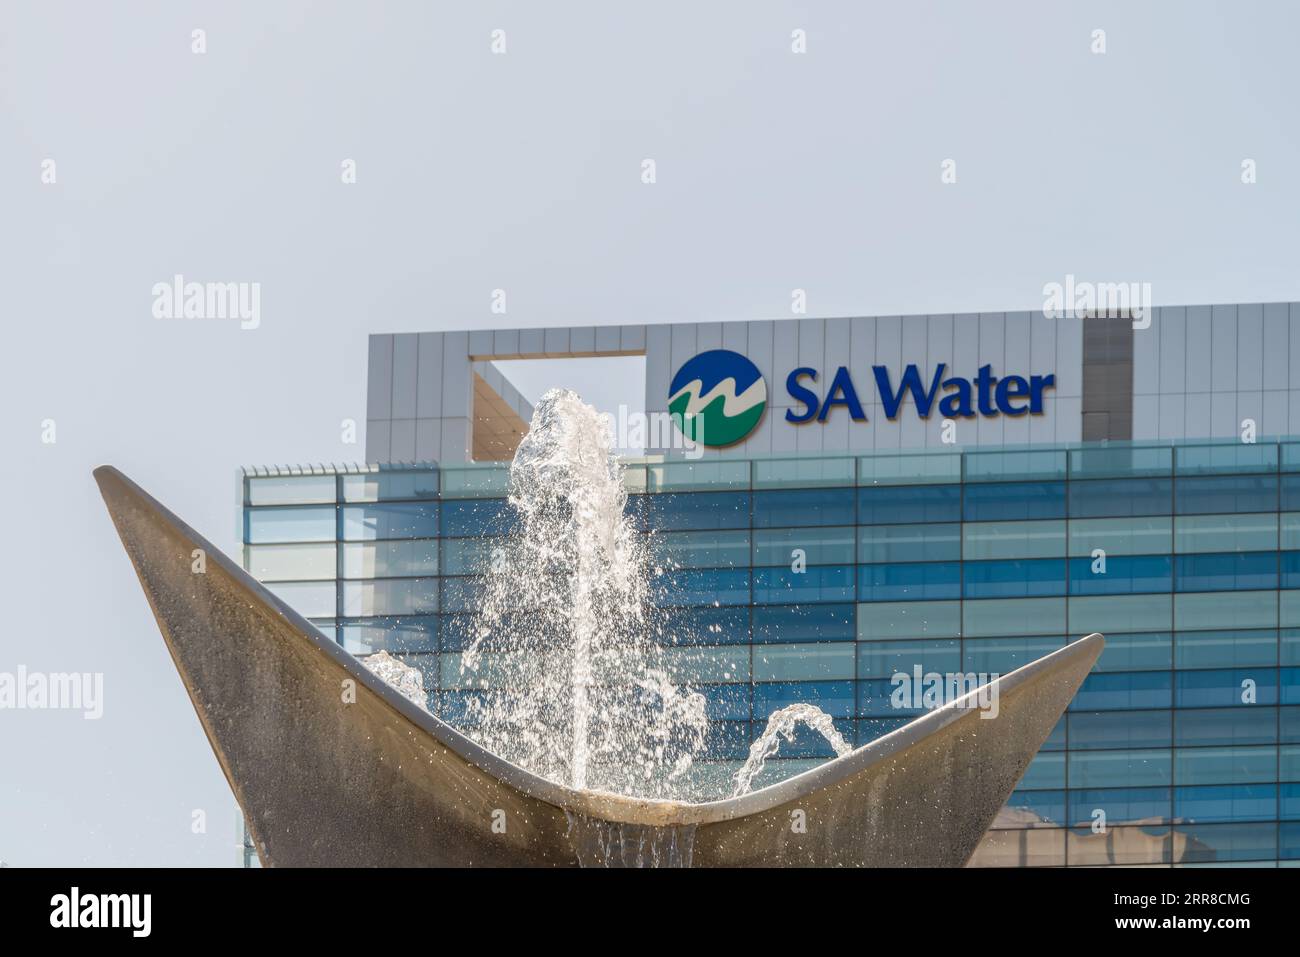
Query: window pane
(1122,575)
(885,505)
(1225,726)
(371,522)
(1225,765)
(1017,501)
(883,659)
(1124,613)
(1227,802)
(390,559)
(1109,769)
(909,543)
(909,620)
(391,634)
(1014,579)
(712,549)
(999,540)
(400,596)
(1226,610)
(291,562)
(1225,533)
(1225,649)
(800,508)
(820,546)
(782,586)
(1226,494)
(1013,616)
(387,486)
(1120,729)
(288,525)
(918,581)
(814,622)
(816,662)
(1121,805)
(291,490)
(309,599)
(1230,571)
(1138,535)
(1121,497)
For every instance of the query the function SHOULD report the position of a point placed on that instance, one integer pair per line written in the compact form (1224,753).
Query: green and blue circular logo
(717,398)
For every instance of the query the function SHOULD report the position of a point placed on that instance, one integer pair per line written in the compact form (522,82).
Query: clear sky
(522,171)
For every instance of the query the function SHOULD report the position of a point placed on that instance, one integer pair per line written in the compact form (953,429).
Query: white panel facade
(1198,371)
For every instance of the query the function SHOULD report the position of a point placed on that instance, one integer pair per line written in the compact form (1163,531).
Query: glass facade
(819,578)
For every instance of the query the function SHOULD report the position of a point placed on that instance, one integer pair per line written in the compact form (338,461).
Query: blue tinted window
(1023,578)
(836,698)
(904,504)
(672,511)
(1119,729)
(800,508)
(1289,725)
(477,516)
(1290,493)
(703,586)
(878,544)
(1289,801)
(869,729)
(1255,647)
(875,700)
(1110,692)
(1224,688)
(918,581)
(1141,651)
(996,502)
(1290,568)
(727,702)
(1219,843)
(707,626)
(1236,571)
(1289,679)
(404,634)
(1205,495)
(1047,806)
(1004,655)
(1255,724)
(1122,805)
(774,586)
(1124,575)
(804,623)
(728,741)
(1244,765)
(371,522)
(288,525)
(1120,768)
(1119,498)
(462,594)
(1226,802)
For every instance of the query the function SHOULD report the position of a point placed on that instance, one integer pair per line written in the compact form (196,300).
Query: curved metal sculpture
(332,767)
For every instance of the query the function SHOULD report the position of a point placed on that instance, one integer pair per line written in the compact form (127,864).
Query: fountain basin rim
(594,804)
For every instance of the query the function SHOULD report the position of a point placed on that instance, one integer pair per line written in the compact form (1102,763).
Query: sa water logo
(717,397)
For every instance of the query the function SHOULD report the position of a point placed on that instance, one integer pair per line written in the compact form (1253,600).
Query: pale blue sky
(477,172)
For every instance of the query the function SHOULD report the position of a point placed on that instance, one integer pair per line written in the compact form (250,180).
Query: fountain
(567,628)
(580,749)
